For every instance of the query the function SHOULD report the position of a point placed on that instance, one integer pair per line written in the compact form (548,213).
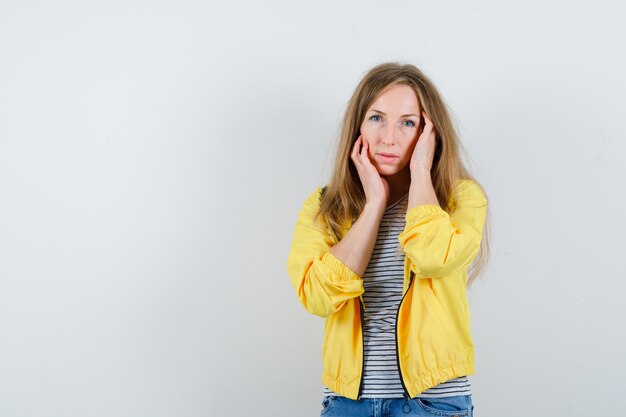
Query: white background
(154,156)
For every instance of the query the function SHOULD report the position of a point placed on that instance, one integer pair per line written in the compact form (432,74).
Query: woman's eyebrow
(404,115)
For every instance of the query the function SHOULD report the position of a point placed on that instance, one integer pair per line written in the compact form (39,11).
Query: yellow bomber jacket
(433,337)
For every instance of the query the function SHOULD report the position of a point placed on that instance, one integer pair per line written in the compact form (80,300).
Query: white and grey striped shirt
(383,281)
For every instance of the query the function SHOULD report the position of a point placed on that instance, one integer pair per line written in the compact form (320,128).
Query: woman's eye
(372,118)
(412,124)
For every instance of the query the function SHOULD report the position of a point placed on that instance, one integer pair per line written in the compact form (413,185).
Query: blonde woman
(385,253)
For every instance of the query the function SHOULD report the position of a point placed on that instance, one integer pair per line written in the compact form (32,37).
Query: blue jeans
(459,405)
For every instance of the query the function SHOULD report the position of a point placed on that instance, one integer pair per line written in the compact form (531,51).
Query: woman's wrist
(421,190)
(374,209)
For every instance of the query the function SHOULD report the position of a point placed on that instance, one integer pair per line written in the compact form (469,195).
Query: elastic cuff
(345,273)
(422,210)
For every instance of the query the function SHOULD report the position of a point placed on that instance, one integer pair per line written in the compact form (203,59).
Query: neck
(399,185)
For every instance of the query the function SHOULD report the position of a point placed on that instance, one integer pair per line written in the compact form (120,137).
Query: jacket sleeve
(322,282)
(438,243)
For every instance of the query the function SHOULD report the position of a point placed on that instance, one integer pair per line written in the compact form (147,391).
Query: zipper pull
(406,407)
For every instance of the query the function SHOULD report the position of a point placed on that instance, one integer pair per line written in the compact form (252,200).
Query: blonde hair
(344,198)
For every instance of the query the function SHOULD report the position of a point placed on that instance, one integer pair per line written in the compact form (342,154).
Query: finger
(364,155)
(427,120)
(355,147)
(355,151)
(429,126)
(362,144)
(369,162)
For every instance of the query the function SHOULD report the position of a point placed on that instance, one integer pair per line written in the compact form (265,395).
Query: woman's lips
(386,158)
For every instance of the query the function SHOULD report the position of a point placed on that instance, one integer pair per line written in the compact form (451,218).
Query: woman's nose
(389,135)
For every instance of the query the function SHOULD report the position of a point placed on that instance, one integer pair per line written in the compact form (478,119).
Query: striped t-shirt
(383,280)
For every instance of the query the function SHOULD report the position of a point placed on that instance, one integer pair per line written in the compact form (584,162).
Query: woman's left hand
(422,158)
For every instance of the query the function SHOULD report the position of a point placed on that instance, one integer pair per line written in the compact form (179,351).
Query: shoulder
(468,190)
(314,199)
(469,185)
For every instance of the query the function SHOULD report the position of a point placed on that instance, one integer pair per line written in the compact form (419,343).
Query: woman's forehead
(396,98)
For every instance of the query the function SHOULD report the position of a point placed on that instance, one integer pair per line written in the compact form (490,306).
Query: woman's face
(391,127)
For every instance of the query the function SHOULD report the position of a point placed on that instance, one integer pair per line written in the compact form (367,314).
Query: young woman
(383,253)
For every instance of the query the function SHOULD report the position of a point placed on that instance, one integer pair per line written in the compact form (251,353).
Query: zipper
(358,396)
(406,392)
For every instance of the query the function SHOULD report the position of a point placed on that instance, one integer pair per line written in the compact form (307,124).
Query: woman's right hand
(376,187)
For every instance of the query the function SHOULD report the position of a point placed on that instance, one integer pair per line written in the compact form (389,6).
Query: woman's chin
(387,172)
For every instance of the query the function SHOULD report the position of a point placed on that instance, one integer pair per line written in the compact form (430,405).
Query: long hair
(344,197)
